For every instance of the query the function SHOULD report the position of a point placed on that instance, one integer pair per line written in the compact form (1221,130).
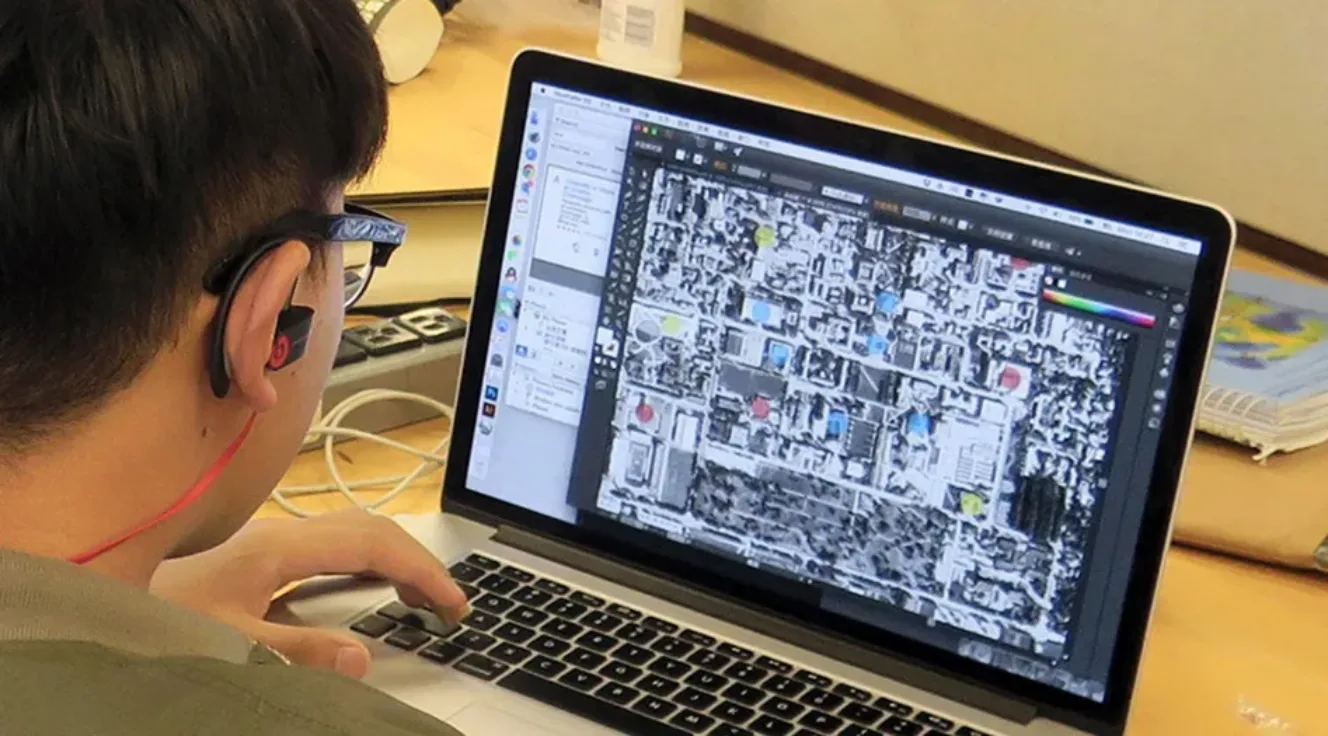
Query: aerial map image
(865,406)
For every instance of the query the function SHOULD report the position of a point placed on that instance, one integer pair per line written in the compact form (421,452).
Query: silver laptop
(776,424)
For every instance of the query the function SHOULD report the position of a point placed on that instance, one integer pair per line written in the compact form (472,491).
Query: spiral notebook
(1267,387)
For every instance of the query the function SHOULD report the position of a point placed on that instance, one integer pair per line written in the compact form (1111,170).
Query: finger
(319,648)
(412,597)
(359,543)
(415,599)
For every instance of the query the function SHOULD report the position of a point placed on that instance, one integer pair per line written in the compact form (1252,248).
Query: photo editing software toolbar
(897,398)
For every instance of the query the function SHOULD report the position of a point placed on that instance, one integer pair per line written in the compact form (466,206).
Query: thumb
(320,648)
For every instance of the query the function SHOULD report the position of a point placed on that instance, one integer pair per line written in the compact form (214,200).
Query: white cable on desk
(329,429)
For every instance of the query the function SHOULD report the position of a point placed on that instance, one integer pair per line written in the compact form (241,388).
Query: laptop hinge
(854,653)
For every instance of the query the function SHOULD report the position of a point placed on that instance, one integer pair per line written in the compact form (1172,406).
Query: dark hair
(140,142)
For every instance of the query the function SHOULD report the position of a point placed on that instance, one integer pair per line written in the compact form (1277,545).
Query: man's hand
(236,581)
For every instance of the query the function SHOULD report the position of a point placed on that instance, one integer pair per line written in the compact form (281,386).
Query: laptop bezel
(1207,223)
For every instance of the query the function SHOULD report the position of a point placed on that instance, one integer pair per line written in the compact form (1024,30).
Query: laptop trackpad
(494,719)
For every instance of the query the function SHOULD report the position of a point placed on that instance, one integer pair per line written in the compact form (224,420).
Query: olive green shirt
(81,653)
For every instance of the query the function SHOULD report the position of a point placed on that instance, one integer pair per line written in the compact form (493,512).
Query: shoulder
(70,687)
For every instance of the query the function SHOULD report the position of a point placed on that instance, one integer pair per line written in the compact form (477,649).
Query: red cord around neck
(188,499)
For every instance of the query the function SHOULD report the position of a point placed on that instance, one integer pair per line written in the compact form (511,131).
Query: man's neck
(107,475)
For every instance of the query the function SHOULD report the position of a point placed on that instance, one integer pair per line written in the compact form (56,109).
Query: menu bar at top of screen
(958,190)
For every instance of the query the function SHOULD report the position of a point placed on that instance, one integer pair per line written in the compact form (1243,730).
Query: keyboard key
(484,563)
(587,706)
(695,637)
(597,641)
(581,680)
(708,659)
(693,698)
(373,626)
(620,672)
(748,673)
(481,620)
(783,708)
(735,651)
(819,720)
(517,574)
(529,616)
(655,707)
(623,612)
(510,653)
(633,654)
(442,652)
(514,632)
(706,680)
(396,610)
(552,587)
(770,726)
(673,646)
(970,731)
(725,729)
(586,599)
(733,712)
(812,678)
(544,666)
(934,721)
(585,659)
(656,685)
(781,685)
(407,638)
(493,604)
(548,645)
(534,597)
(478,665)
(745,694)
(562,628)
(893,706)
(936,732)
(618,693)
(474,640)
(856,730)
(660,625)
(669,667)
(463,573)
(852,693)
(818,698)
(774,665)
(468,590)
(498,584)
(897,725)
(566,609)
(692,721)
(418,618)
(636,634)
(601,621)
(859,713)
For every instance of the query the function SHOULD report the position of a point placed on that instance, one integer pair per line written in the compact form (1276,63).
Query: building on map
(1038,508)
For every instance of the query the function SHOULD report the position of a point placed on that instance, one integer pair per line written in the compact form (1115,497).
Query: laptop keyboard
(631,671)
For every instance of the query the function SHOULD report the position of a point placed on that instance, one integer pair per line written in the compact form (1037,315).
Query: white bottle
(642,35)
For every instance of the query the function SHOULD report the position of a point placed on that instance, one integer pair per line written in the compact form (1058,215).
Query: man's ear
(252,322)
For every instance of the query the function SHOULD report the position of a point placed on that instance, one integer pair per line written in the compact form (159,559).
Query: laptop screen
(930,407)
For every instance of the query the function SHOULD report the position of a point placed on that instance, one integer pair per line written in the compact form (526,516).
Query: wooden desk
(1227,635)
(444,124)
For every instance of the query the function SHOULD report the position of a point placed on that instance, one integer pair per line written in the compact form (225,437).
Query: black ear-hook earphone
(294,324)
